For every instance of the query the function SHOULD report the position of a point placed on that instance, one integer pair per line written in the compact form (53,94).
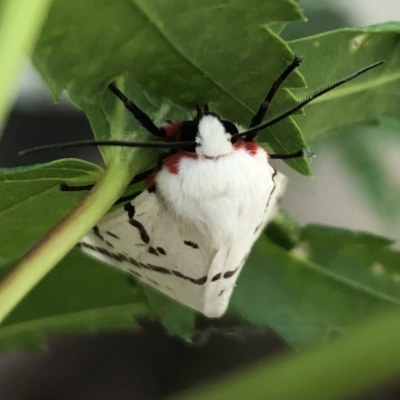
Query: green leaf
(161,51)
(177,318)
(361,101)
(364,260)
(360,153)
(283,231)
(136,33)
(301,300)
(32,202)
(391,125)
(80,295)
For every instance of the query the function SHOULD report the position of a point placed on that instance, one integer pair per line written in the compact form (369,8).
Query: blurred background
(354,186)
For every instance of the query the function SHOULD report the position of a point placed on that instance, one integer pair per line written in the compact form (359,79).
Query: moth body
(188,234)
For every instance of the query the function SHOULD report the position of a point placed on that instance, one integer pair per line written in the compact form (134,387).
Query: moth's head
(213,136)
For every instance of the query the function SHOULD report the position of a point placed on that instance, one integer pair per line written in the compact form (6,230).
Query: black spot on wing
(229,274)
(216,277)
(97,232)
(113,235)
(156,251)
(191,244)
(133,262)
(161,251)
(152,250)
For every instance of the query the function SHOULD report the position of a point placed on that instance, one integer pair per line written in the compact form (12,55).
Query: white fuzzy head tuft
(212,138)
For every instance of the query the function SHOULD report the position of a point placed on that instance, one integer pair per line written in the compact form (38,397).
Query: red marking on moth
(172,162)
(250,147)
(150,180)
(172,130)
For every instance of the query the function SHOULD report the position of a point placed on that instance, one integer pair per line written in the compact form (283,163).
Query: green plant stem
(62,238)
(369,356)
(20,24)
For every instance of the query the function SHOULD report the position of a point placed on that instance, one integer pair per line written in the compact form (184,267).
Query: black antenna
(259,116)
(306,100)
(148,124)
(141,116)
(120,143)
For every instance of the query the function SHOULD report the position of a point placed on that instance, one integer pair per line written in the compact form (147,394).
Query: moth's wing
(147,241)
(280,181)
(228,262)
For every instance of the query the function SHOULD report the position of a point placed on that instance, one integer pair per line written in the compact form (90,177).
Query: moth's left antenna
(118,143)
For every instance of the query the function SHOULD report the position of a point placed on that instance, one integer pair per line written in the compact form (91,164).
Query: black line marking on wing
(191,244)
(216,277)
(198,281)
(228,274)
(113,235)
(97,232)
(153,281)
(159,269)
(273,189)
(155,268)
(128,207)
(269,199)
(142,231)
(221,292)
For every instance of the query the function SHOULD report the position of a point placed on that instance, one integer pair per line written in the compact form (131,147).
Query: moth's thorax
(220,196)
(212,138)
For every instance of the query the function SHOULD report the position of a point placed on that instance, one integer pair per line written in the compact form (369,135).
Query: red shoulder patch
(250,147)
(172,162)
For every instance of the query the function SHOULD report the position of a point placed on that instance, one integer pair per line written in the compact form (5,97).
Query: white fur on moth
(189,233)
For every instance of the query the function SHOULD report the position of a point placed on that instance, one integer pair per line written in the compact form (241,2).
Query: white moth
(188,234)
